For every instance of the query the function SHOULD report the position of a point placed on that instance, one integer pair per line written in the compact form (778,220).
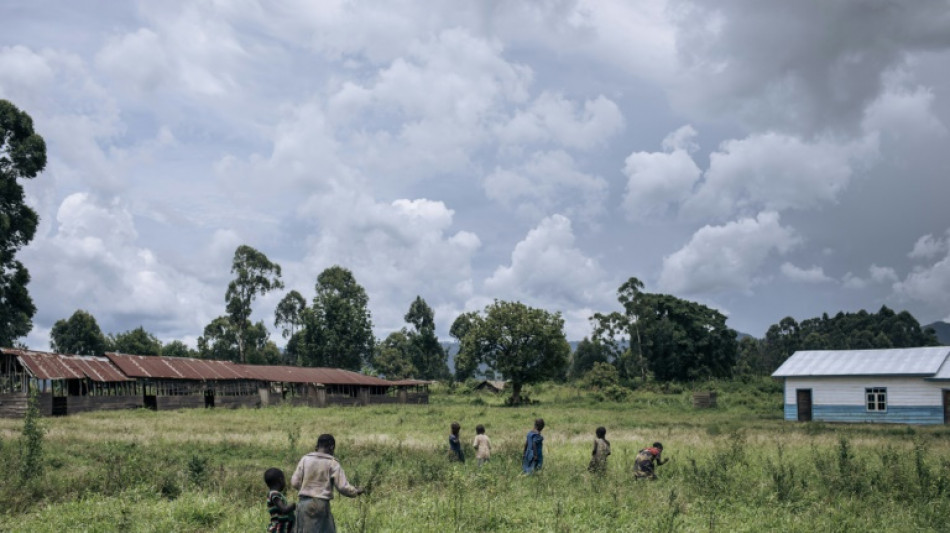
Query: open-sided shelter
(901,385)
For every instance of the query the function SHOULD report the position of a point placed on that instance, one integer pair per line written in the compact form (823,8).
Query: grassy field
(738,467)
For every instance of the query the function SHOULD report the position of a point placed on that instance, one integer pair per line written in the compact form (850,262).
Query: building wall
(909,400)
(82,404)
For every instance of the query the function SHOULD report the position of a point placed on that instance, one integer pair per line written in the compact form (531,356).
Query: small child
(455,445)
(532,457)
(598,458)
(482,445)
(282,516)
(647,460)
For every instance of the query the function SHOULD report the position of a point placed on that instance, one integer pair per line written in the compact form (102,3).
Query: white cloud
(552,118)
(815,274)
(877,275)
(545,184)
(658,180)
(720,258)
(548,270)
(776,172)
(928,247)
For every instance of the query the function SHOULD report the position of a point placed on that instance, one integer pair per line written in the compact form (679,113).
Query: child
(598,458)
(316,475)
(455,445)
(533,456)
(281,512)
(482,445)
(644,467)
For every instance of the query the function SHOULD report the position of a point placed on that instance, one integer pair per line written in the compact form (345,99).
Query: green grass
(735,468)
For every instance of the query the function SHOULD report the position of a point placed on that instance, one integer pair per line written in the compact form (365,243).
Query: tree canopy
(254,275)
(79,335)
(22,156)
(337,328)
(523,344)
(136,342)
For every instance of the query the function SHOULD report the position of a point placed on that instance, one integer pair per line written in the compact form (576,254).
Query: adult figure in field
(316,475)
(533,455)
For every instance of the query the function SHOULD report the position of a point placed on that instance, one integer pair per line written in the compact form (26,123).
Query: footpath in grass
(735,468)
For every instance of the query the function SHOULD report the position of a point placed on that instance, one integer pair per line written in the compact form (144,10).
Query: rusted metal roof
(325,376)
(158,367)
(45,365)
(411,382)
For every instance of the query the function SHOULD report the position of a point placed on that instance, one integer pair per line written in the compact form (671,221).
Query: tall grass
(735,468)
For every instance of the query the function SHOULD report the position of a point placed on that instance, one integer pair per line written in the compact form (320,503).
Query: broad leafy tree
(79,335)
(22,156)
(219,341)
(338,330)
(393,358)
(674,339)
(587,354)
(523,344)
(466,365)
(178,349)
(427,354)
(136,342)
(255,275)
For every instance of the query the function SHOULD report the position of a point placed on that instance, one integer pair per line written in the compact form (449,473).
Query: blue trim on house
(895,414)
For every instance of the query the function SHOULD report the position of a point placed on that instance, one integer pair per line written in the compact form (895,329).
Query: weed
(31,464)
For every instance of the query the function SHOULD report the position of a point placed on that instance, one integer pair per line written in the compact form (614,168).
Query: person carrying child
(598,458)
(533,456)
(647,460)
(482,445)
(281,512)
(316,475)
(455,445)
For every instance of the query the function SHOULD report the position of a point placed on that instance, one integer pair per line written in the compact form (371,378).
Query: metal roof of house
(926,362)
(44,365)
(296,374)
(159,367)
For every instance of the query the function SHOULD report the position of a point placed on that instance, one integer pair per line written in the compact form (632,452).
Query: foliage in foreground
(737,468)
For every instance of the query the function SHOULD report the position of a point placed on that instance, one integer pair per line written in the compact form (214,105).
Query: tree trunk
(515,393)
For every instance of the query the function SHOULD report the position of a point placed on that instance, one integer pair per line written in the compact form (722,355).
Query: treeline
(655,337)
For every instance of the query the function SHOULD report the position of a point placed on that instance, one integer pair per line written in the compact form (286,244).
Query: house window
(876,399)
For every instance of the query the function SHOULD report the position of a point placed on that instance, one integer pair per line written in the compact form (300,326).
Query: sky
(764,158)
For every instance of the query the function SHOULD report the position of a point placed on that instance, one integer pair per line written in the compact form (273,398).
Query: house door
(946,406)
(803,398)
(209,397)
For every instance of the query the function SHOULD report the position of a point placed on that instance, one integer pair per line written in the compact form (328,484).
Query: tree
(587,354)
(602,375)
(393,358)
(338,330)
(178,349)
(465,363)
(254,275)
(79,335)
(289,313)
(427,355)
(22,156)
(672,338)
(525,345)
(136,342)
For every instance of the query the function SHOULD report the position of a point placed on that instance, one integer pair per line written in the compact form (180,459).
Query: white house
(901,385)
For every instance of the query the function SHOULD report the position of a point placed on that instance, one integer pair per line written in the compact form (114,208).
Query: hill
(943,331)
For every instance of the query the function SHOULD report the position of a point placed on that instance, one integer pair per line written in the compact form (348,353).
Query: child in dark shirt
(455,445)
(282,516)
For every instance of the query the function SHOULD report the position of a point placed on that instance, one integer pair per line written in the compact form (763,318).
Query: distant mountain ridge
(943,331)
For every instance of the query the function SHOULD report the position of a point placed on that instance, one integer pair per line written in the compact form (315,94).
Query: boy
(455,445)
(316,475)
(598,458)
(533,457)
(281,512)
(644,467)
(482,445)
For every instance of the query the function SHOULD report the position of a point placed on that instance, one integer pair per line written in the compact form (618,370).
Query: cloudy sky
(765,158)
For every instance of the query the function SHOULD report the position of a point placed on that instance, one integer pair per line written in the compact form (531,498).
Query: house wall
(82,404)
(13,405)
(909,400)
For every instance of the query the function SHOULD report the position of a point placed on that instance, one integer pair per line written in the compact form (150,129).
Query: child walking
(482,445)
(533,455)
(455,445)
(282,517)
(598,458)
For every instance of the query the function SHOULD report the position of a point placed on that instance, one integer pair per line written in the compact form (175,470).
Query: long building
(69,384)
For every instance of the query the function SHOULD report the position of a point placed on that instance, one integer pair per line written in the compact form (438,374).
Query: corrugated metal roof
(325,376)
(925,361)
(158,367)
(411,382)
(45,365)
